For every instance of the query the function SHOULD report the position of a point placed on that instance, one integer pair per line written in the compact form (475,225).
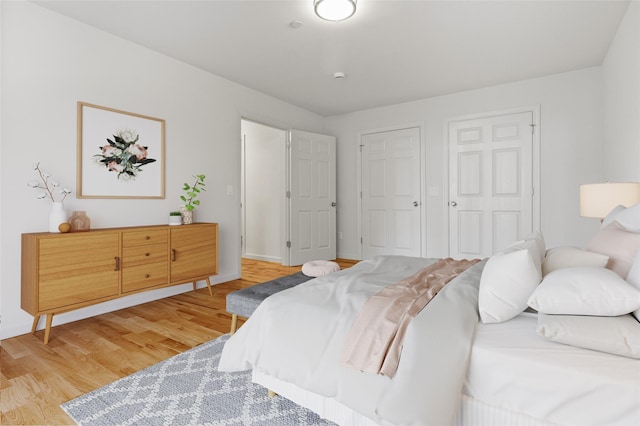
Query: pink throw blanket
(374,341)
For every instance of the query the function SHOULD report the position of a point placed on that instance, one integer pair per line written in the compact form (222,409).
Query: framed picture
(120,154)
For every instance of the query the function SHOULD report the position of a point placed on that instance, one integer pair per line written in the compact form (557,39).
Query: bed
(473,355)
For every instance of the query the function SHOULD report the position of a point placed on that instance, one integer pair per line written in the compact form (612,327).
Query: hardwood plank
(85,355)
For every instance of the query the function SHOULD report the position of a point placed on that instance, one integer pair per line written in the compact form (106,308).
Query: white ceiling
(391,51)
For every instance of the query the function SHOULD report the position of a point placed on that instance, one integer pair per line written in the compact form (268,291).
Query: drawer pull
(147,254)
(147,237)
(117,263)
(173,255)
(147,275)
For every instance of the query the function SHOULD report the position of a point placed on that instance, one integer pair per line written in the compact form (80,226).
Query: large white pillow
(628,218)
(634,279)
(585,291)
(616,335)
(611,216)
(507,281)
(568,257)
(539,239)
(620,244)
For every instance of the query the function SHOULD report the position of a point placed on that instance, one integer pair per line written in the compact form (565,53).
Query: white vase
(57,216)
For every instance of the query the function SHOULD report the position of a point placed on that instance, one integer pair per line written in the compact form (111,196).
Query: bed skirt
(471,412)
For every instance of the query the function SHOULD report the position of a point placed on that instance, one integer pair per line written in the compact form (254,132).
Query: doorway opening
(263,189)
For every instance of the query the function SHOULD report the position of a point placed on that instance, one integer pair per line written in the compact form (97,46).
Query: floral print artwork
(124,155)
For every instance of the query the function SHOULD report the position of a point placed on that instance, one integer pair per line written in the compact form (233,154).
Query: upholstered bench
(244,302)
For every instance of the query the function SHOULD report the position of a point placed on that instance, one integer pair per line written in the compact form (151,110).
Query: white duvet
(297,335)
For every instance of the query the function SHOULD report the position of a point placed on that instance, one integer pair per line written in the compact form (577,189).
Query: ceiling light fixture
(334,10)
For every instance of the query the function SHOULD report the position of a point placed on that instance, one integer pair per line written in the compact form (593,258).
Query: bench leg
(271,393)
(234,323)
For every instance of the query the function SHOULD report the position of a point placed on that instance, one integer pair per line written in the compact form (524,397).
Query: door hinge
(533,128)
(288,194)
(533,190)
(288,244)
(361,147)
(361,240)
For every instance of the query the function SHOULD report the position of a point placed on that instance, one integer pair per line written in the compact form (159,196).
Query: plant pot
(175,220)
(187,215)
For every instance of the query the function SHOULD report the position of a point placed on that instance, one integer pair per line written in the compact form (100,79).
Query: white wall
(621,76)
(264,187)
(571,146)
(48,63)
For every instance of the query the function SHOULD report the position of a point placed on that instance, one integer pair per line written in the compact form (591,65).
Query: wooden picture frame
(120,154)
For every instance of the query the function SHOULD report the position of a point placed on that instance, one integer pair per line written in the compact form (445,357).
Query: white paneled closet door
(490,183)
(311,197)
(391,193)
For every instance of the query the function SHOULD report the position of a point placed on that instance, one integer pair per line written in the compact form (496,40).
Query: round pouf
(318,268)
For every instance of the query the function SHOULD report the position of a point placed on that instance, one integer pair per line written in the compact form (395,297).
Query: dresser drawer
(144,276)
(150,236)
(144,255)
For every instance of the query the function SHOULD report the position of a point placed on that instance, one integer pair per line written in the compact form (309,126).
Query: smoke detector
(339,75)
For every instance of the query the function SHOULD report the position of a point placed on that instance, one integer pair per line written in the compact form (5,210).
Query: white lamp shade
(598,199)
(334,10)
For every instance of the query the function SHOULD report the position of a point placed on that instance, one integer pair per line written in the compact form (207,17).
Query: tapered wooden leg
(209,286)
(36,320)
(47,330)
(194,285)
(234,323)
(271,393)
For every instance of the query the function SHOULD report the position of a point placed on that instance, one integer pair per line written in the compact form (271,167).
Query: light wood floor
(85,355)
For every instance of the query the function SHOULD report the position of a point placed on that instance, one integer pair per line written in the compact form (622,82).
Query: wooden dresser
(62,272)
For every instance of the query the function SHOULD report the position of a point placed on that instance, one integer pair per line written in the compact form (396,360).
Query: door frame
(535,179)
(422,161)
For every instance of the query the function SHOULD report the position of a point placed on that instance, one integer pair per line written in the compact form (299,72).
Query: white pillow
(568,257)
(620,244)
(507,281)
(616,335)
(634,279)
(611,216)
(585,291)
(628,218)
(539,239)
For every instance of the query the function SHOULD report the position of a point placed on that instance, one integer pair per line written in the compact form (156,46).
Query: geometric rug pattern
(188,389)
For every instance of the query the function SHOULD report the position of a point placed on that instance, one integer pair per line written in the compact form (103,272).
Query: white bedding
(299,340)
(514,368)
(511,369)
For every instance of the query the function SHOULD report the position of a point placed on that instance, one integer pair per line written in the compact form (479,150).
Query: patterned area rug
(187,389)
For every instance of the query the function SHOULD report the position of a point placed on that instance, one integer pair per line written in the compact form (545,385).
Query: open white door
(311,197)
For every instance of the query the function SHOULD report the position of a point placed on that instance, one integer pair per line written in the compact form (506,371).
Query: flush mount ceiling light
(334,10)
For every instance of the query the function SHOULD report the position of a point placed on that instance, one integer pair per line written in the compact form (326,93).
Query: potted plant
(189,199)
(175,218)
